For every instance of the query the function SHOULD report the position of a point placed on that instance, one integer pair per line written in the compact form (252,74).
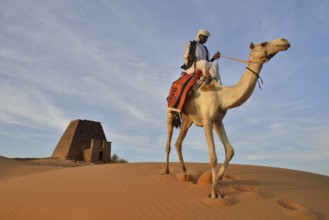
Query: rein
(235,59)
(247,62)
(244,61)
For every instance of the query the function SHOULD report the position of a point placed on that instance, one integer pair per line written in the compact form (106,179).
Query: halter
(266,58)
(258,77)
(250,61)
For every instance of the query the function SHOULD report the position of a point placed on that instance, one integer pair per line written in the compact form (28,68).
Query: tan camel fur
(208,108)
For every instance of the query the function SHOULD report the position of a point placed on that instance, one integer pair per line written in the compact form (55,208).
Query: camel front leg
(186,124)
(212,156)
(229,151)
(170,128)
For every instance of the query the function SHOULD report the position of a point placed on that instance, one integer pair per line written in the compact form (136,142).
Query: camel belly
(198,123)
(202,107)
(216,118)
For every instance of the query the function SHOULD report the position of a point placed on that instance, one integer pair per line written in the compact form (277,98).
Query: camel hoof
(215,194)
(184,177)
(218,196)
(166,172)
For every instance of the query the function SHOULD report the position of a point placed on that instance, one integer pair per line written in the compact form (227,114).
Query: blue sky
(114,61)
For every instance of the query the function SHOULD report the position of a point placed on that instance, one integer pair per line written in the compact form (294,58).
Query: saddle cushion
(179,90)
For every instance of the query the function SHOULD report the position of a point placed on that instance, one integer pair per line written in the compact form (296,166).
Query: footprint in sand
(246,188)
(254,190)
(188,177)
(292,209)
(234,177)
(297,211)
(226,201)
(206,178)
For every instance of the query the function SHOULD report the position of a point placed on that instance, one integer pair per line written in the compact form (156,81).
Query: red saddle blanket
(179,90)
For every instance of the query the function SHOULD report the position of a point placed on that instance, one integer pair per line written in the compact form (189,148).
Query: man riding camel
(196,57)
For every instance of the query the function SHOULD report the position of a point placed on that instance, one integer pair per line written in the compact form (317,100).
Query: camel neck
(238,94)
(255,67)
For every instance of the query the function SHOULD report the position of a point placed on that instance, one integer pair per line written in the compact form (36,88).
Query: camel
(207,109)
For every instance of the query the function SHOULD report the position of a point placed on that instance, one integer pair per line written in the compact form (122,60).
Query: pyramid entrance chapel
(83,140)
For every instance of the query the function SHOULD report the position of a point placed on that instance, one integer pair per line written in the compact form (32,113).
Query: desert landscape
(48,189)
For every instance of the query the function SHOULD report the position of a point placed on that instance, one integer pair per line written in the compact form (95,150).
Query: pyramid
(83,140)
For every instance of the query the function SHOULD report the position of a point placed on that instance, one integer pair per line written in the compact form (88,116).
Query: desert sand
(139,191)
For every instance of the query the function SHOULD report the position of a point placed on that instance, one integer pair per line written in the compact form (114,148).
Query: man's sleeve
(186,52)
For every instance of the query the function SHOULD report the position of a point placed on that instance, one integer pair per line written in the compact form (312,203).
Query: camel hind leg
(229,151)
(186,124)
(170,128)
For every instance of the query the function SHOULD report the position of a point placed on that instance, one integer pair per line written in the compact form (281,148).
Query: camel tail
(176,121)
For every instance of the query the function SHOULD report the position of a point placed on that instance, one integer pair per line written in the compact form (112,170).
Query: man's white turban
(202,32)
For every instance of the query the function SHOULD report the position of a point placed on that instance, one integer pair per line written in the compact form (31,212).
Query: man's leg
(214,70)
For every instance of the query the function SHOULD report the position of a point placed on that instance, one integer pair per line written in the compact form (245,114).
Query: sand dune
(139,191)
(10,168)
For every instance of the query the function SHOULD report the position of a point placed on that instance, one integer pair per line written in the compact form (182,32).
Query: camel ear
(252,45)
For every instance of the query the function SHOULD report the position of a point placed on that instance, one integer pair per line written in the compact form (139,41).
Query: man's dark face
(203,39)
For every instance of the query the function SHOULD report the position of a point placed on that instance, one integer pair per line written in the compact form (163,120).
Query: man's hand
(216,56)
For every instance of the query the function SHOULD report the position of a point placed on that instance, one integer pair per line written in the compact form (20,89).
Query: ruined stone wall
(87,155)
(100,151)
(107,151)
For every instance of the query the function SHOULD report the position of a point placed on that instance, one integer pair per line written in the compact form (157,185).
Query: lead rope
(246,61)
(235,59)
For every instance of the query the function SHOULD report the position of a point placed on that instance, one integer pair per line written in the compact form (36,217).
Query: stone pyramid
(83,140)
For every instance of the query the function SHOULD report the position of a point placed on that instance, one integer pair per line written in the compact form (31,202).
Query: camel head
(263,52)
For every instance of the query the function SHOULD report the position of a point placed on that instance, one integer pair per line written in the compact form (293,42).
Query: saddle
(183,87)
